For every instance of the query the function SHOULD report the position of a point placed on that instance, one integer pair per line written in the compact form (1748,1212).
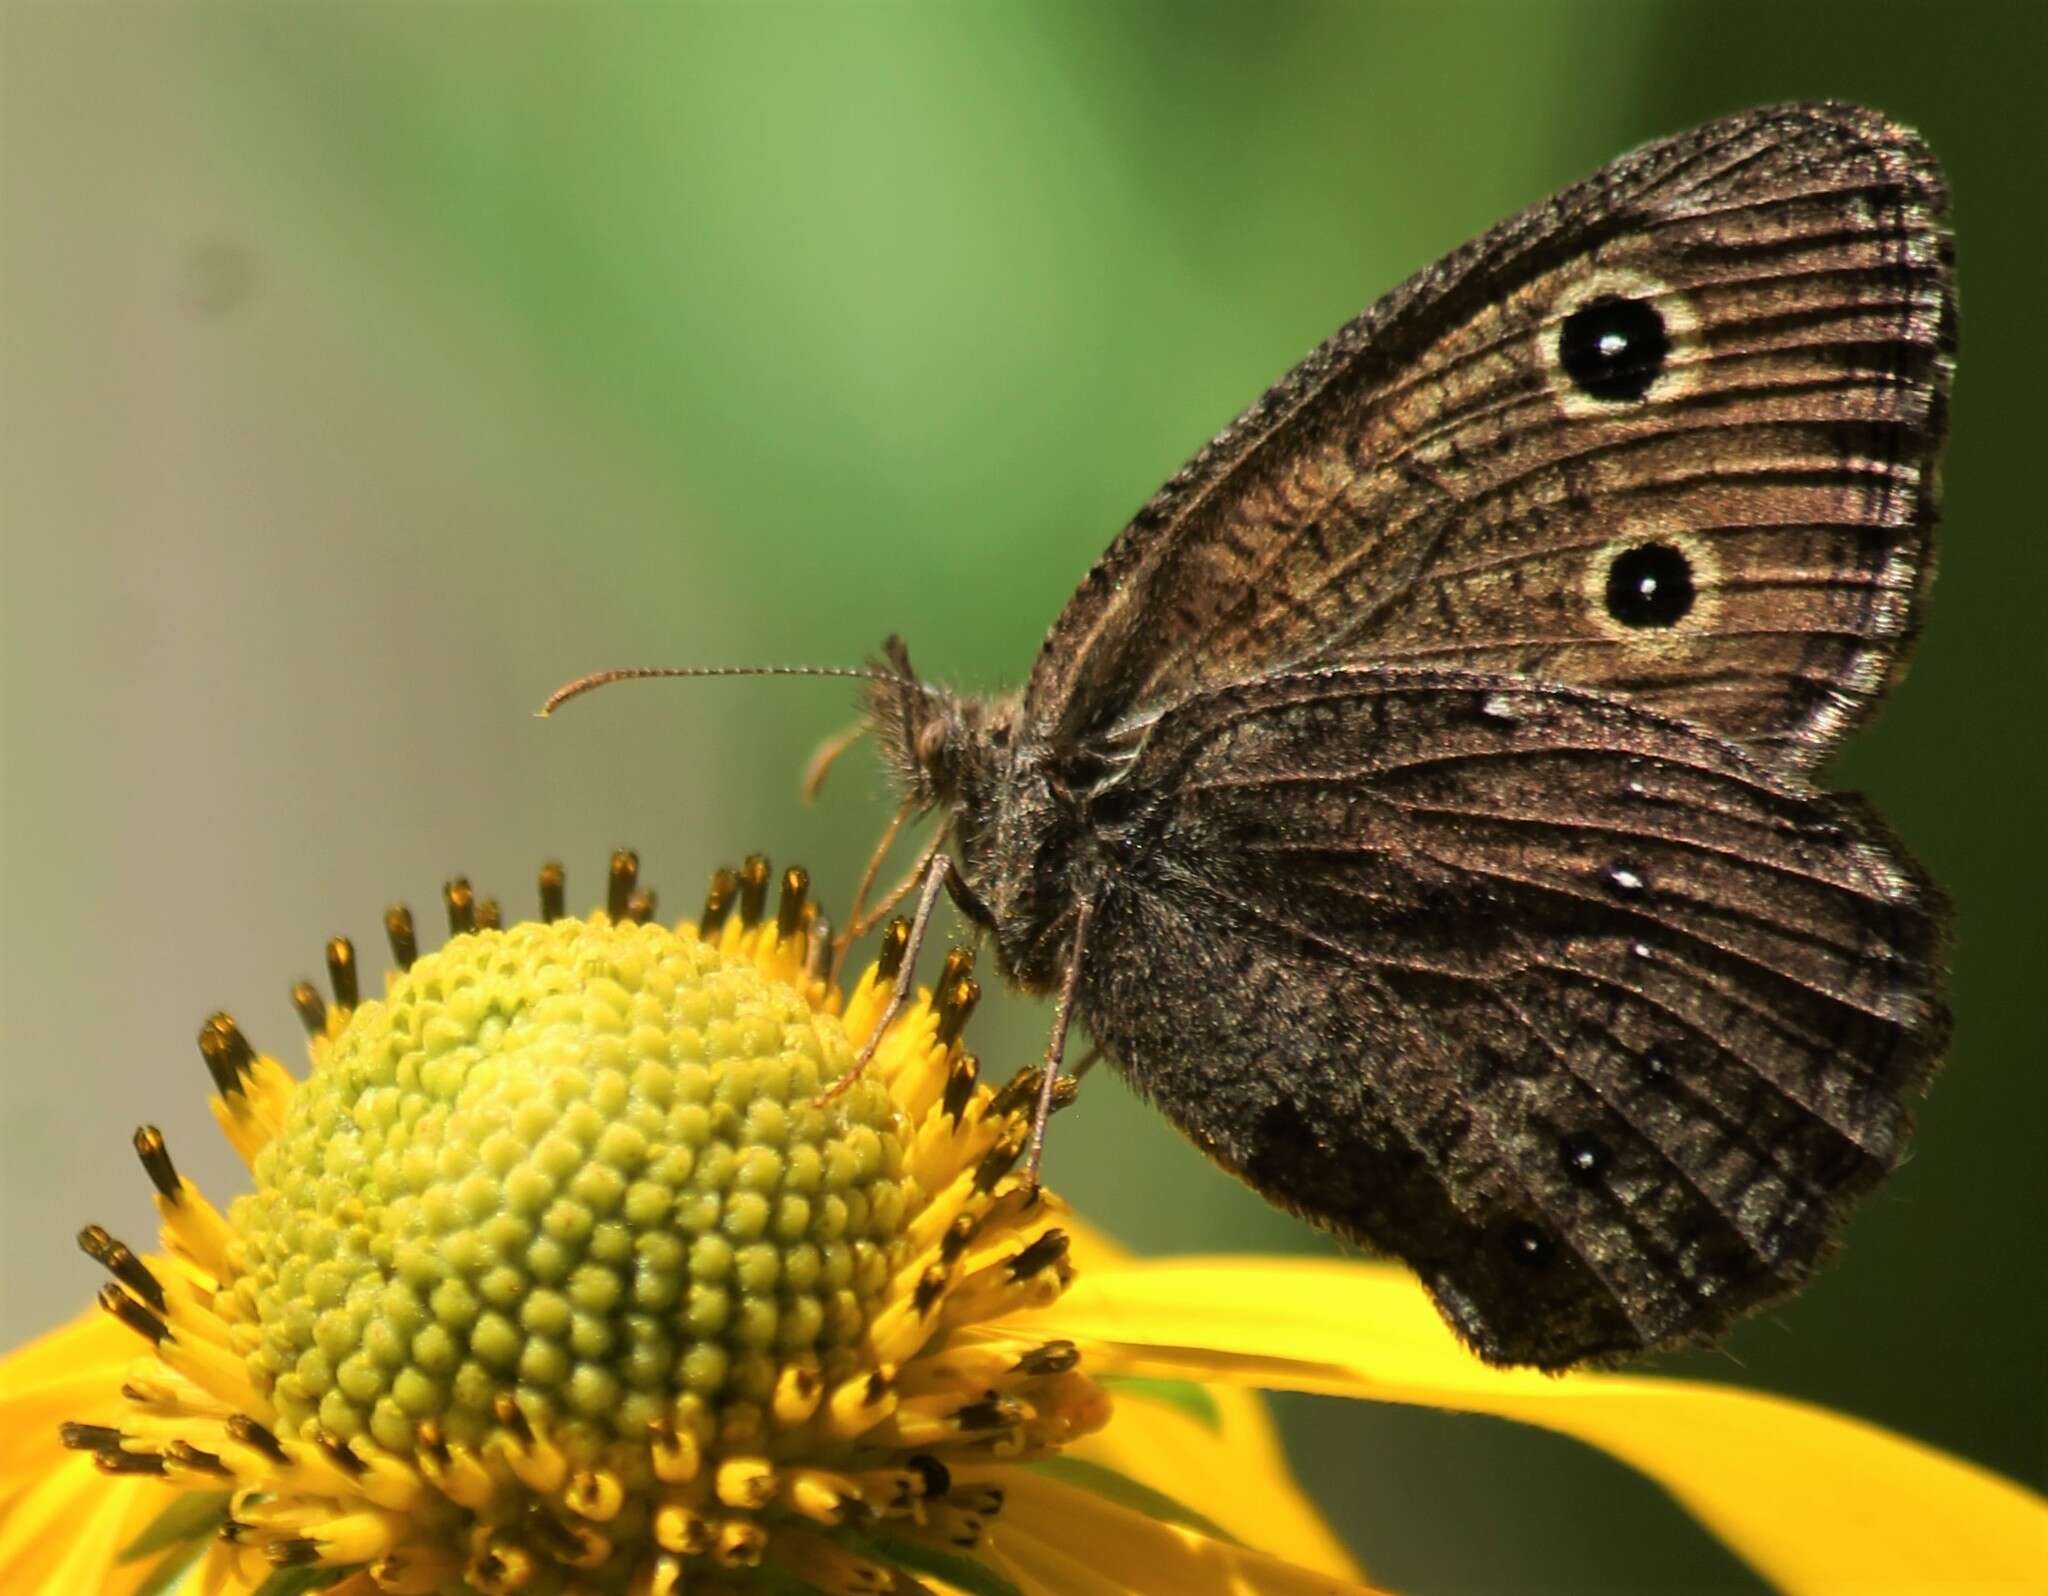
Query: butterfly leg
(1056,1046)
(858,921)
(937,867)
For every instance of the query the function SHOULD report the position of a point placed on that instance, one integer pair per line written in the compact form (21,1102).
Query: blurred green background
(369,370)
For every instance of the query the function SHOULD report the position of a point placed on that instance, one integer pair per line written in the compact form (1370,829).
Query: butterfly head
(944,750)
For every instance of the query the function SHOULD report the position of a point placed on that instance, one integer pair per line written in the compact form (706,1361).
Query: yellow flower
(559,1275)
(563,1271)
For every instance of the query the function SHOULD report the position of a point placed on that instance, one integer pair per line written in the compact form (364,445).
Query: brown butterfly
(1417,801)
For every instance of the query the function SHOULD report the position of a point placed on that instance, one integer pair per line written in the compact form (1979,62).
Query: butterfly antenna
(643,673)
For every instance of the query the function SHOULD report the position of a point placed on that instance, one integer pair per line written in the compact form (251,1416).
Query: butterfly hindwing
(1595,1020)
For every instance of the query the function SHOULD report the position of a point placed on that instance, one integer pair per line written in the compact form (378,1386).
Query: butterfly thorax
(1030,858)
(1018,828)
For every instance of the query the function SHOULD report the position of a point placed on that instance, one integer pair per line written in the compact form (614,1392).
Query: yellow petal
(63,1522)
(1235,1475)
(1061,1538)
(1090,1249)
(63,1530)
(72,1373)
(90,1348)
(1816,1501)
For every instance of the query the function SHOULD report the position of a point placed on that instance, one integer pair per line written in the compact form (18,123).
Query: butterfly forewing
(1669,434)
(1592,1018)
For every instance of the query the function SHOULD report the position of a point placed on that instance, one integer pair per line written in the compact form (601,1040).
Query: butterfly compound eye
(933,738)
(1613,347)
